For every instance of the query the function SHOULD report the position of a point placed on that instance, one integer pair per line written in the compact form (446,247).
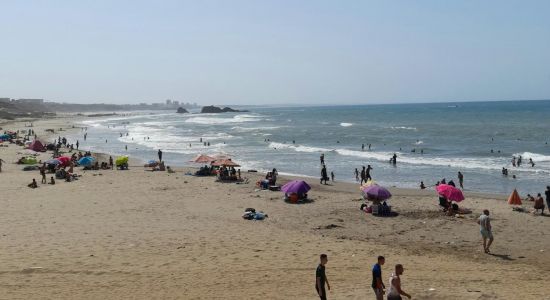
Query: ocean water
(453,136)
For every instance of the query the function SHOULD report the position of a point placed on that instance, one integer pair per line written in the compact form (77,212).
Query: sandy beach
(152,235)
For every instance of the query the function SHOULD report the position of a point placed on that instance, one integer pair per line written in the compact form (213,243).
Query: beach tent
(203,159)
(29,160)
(5,137)
(225,163)
(86,161)
(121,160)
(37,146)
(514,198)
(54,162)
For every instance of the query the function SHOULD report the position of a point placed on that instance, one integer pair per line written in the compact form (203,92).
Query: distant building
(30,101)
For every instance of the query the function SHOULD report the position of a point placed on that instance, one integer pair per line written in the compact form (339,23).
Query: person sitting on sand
(33,184)
(169,170)
(52,181)
(422,186)
(539,204)
(530,198)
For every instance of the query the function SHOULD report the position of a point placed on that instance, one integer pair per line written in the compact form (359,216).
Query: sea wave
(536,157)
(214,121)
(346,124)
(403,128)
(250,129)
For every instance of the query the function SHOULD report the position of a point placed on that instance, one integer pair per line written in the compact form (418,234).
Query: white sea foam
(346,124)
(403,128)
(419,142)
(250,129)
(214,121)
(535,156)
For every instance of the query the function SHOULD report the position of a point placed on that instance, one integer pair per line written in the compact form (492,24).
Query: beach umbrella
(296,186)
(64,160)
(450,192)
(54,162)
(225,163)
(121,160)
(86,161)
(376,192)
(514,198)
(203,159)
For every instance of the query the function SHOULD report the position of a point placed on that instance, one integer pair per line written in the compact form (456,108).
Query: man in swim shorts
(485,230)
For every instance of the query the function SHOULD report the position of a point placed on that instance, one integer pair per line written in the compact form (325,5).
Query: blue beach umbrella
(86,161)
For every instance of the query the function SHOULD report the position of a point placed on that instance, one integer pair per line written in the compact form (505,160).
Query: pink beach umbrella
(64,160)
(450,192)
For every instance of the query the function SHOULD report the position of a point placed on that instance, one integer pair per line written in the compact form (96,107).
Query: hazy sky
(261,52)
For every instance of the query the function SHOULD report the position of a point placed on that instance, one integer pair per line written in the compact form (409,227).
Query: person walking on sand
(363,175)
(461,180)
(486,230)
(332,176)
(395,291)
(321,278)
(377,284)
(43,173)
(160,155)
(367,173)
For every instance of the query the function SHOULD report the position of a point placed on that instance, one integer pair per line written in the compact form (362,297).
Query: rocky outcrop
(216,110)
(182,110)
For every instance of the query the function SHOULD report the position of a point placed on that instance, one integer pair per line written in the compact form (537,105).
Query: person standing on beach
(363,175)
(43,173)
(356,174)
(547,193)
(324,175)
(77,144)
(321,278)
(461,180)
(367,174)
(395,291)
(486,230)
(111,162)
(1,161)
(377,284)
(160,155)
(332,176)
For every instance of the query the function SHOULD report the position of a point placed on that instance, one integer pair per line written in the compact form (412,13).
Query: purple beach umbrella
(374,191)
(296,186)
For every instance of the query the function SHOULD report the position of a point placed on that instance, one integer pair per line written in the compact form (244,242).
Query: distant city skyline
(275,52)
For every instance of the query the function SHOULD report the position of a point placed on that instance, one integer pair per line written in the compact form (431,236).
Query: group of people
(393,292)
(516,162)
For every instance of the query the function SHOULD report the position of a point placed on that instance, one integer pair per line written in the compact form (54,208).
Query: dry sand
(153,235)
